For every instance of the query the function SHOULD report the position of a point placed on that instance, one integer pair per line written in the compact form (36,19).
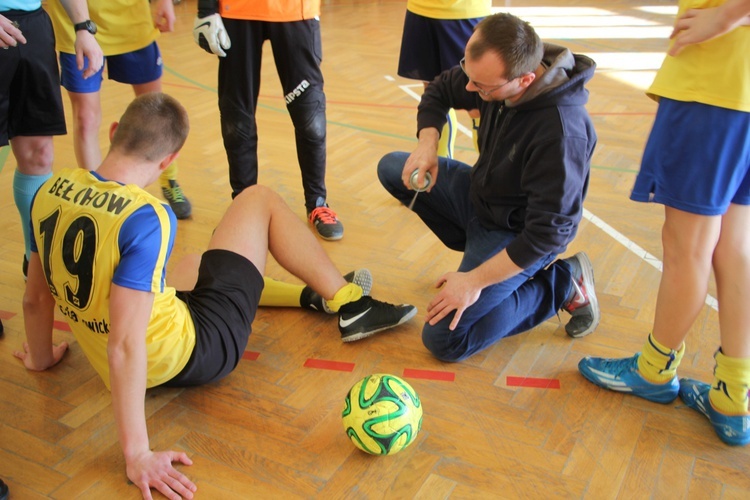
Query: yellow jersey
(90,233)
(122,25)
(716,72)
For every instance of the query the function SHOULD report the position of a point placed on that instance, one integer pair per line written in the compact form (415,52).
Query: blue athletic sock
(24,189)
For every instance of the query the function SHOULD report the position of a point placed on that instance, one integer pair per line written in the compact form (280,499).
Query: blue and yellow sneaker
(732,429)
(622,375)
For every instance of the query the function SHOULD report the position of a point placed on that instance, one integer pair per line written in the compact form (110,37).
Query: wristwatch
(87,25)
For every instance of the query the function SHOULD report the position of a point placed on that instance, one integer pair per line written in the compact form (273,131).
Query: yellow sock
(731,382)
(657,363)
(448,136)
(475,132)
(169,174)
(280,294)
(350,293)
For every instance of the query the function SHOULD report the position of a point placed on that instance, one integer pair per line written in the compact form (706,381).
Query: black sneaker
(310,299)
(177,200)
(325,221)
(360,319)
(582,304)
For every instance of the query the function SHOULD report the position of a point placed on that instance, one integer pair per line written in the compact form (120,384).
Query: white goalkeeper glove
(210,34)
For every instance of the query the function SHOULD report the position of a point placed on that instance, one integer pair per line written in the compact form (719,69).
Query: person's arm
(700,25)
(130,311)
(446,91)
(85,44)
(164,16)
(39,353)
(10,35)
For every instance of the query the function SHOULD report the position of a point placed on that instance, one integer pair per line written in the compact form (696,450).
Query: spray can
(413,181)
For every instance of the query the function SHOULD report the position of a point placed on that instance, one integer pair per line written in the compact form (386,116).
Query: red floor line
(538,383)
(429,374)
(61,325)
(329,365)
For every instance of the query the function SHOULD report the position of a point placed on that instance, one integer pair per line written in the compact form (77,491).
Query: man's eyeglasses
(484,92)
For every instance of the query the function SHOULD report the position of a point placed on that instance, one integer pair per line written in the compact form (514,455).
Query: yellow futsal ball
(382,414)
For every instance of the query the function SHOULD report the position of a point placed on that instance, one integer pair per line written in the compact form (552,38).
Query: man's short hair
(511,38)
(153,126)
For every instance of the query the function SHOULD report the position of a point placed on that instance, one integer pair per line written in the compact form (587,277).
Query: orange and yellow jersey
(90,233)
(716,72)
(450,9)
(270,10)
(122,25)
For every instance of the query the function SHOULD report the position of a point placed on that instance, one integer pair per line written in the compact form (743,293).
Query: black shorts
(30,97)
(223,305)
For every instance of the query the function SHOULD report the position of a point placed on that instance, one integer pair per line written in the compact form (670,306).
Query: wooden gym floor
(273,427)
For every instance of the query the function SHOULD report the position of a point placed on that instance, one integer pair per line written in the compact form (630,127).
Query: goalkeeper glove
(210,34)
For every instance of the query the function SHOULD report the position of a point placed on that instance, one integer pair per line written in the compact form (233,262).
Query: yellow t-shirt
(122,25)
(78,224)
(450,9)
(716,72)
(270,10)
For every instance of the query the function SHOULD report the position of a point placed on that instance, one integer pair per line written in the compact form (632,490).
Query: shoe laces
(174,194)
(620,366)
(323,214)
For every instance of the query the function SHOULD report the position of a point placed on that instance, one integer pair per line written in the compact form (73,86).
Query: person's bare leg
(87,120)
(259,221)
(689,241)
(142,88)
(34,154)
(184,276)
(732,271)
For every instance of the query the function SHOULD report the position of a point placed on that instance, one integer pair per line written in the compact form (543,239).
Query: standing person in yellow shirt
(127,33)
(697,164)
(435,35)
(293,28)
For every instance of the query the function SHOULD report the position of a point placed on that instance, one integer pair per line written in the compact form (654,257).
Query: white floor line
(618,236)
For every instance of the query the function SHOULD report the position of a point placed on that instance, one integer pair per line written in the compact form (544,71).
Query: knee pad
(238,128)
(308,113)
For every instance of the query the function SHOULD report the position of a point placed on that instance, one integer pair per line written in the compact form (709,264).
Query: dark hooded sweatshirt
(533,168)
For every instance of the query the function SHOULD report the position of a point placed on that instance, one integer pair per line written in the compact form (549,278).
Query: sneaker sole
(588,276)
(331,238)
(363,278)
(364,335)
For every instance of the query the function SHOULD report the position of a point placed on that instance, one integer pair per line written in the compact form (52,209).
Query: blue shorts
(697,158)
(132,68)
(431,46)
